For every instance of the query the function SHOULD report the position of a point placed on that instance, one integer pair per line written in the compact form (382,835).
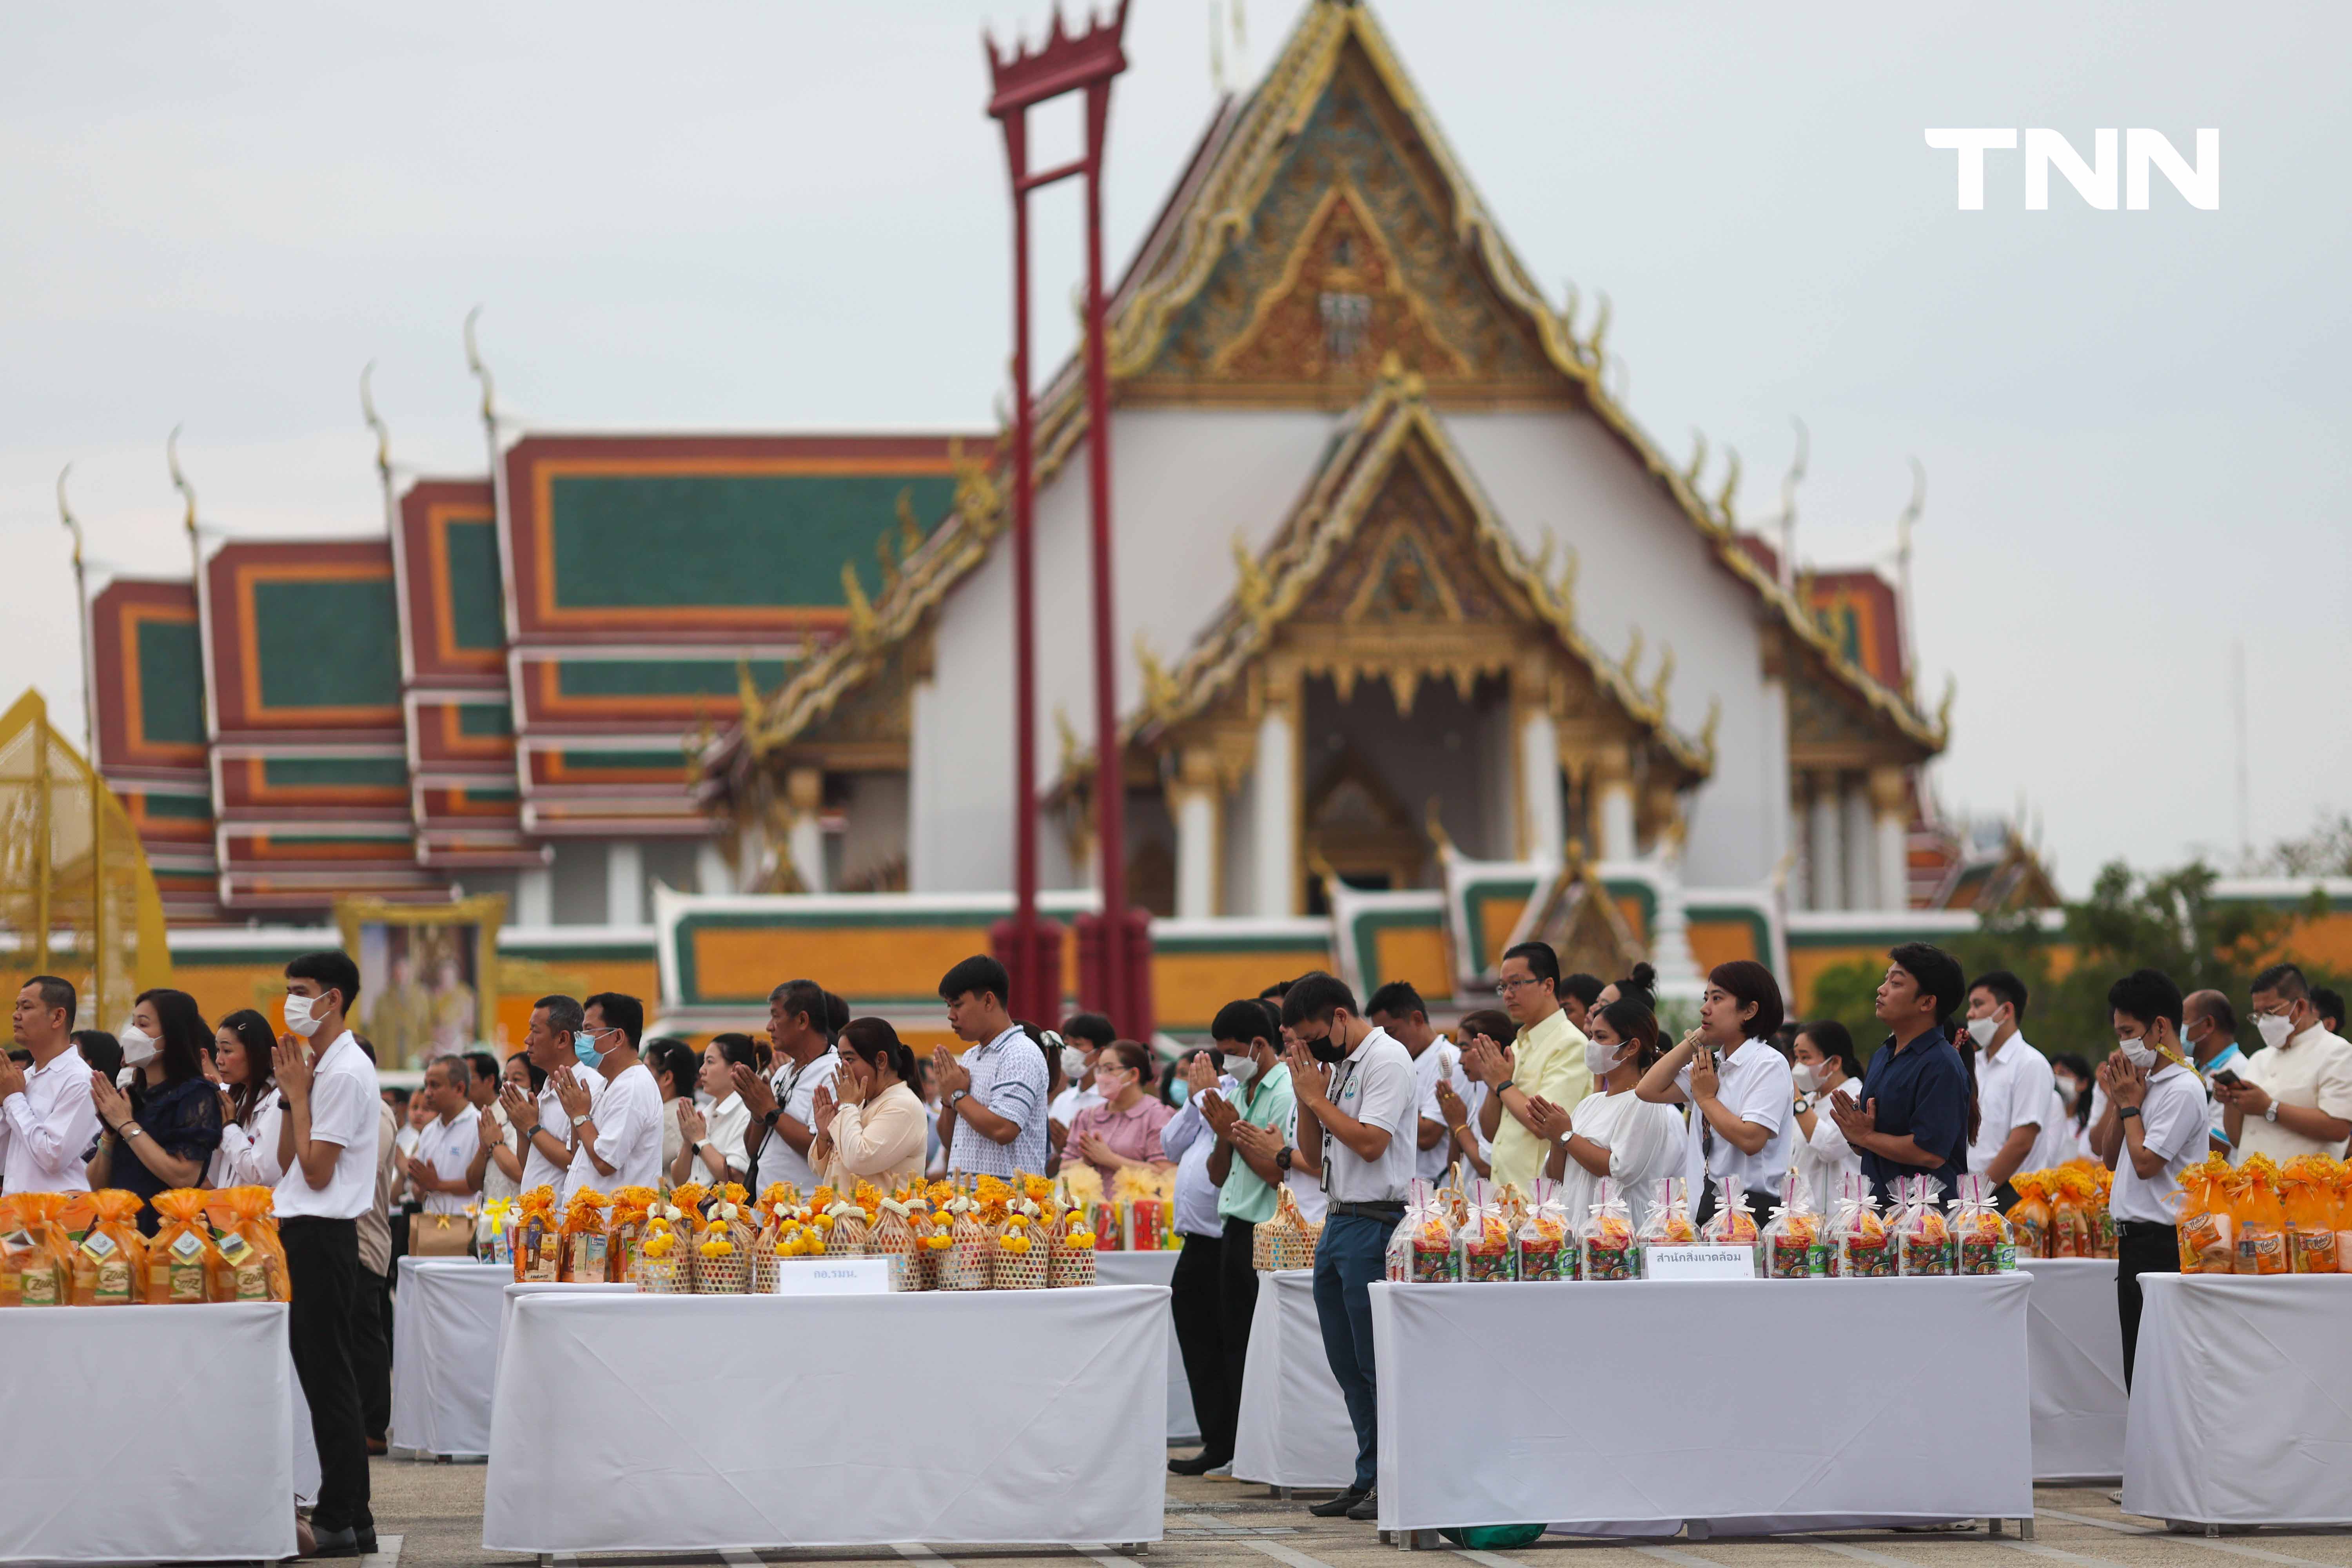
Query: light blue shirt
(1186,1139)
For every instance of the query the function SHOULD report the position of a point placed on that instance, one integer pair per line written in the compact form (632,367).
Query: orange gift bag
(180,1259)
(2307,1195)
(2029,1218)
(2262,1221)
(2209,1231)
(109,1265)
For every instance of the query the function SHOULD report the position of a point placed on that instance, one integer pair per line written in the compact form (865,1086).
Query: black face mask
(1327,1049)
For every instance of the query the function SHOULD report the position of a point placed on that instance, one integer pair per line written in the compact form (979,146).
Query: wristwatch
(580,1119)
(132,1129)
(1282,1157)
(2270,1112)
(2124,1111)
(959,1097)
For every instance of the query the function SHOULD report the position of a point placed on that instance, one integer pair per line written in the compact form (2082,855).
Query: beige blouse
(882,1141)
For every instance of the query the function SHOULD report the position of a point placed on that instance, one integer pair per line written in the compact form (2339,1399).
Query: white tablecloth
(2074,1347)
(1294,1428)
(1157,1269)
(146,1433)
(2239,1413)
(446,1320)
(613,1433)
(1607,1407)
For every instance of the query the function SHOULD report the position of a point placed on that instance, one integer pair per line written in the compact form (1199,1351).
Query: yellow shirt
(1548,1060)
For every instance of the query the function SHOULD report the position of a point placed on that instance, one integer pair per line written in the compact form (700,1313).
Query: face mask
(1074,1063)
(1982,1030)
(1807,1076)
(301,1017)
(583,1047)
(1327,1049)
(2138,1053)
(2068,1088)
(1598,1058)
(1180,1091)
(138,1046)
(1241,1068)
(2277,1028)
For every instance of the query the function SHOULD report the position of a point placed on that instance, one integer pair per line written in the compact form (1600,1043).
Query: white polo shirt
(347,1111)
(449,1148)
(2013,1088)
(2173,1112)
(795,1089)
(628,1119)
(1755,1085)
(538,1170)
(1373,1084)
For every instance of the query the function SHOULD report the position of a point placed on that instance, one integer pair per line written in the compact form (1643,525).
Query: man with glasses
(2294,1096)
(1544,1062)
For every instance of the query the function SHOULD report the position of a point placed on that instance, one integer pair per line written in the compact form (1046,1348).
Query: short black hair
(1833,1038)
(2146,995)
(1313,998)
(804,999)
(564,1015)
(1243,1021)
(537,1073)
(1748,981)
(1938,973)
(977,973)
(1585,988)
(626,1014)
(333,969)
(2328,1004)
(485,1066)
(2005,987)
(676,1058)
(103,1052)
(2282,979)
(57,993)
(1275,991)
(1398,999)
(1542,960)
(836,1015)
(1092,1027)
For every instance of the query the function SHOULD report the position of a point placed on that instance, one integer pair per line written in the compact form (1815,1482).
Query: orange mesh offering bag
(2070,1214)
(537,1247)
(2262,1221)
(581,1255)
(2029,1218)
(250,1260)
(110,1264)
(2209,1231)
(181,1257)
(35,1270)
(625,1232)
(2307,1195)
(2343,1179)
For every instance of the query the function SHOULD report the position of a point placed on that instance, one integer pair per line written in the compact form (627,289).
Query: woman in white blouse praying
(1612,1131)
(1825,1065)
(248,1155)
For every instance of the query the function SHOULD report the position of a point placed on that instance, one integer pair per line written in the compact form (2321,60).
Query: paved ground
(437,1510)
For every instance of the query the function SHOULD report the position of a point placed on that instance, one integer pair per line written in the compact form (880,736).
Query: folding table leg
(2025,1528)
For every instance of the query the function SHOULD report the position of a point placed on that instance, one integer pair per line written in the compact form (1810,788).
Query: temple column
(1196,804)
(535,896)
(1824,839)
(1890,805)
(1275,805)
(1542,813)
(1612,794)
(1860,846)
(1800,864)
(803,798)
(624,883)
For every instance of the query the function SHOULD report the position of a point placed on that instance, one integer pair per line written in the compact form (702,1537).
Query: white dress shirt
(248,1155)
(1441,1063)
(2311,1069)
(724,1130)
(1187,1140)
(628,1119)
(449,1148)
(1306,1188)
(1823,1159)
(1645,1140)
(45,1131)
(2174,1128)
(538,1170)
(795,1089)
(346,1109)
(2013,1088)
(1755,1085)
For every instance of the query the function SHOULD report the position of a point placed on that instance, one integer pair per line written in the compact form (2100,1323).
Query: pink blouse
(1134,1133)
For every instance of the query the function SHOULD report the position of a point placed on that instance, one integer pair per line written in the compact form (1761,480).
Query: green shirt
(1265,1103)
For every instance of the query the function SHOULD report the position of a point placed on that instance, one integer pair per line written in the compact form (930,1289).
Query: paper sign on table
(833,1277)
(1698,1263)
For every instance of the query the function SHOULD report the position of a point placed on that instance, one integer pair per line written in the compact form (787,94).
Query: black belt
(2144,1226)
(1371,1211)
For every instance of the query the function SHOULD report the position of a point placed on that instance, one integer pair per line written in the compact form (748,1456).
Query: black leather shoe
(1368,1508)
(1338,1506)
(1199,1463)
(352,1541)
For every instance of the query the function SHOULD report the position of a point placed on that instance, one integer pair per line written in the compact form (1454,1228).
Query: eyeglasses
(1508,986)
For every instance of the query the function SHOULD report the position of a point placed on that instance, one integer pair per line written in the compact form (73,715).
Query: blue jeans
(1352,1254)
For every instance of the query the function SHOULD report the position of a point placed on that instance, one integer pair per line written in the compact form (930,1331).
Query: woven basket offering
(1070,1261)
(1285,1241)
(893,1238)
(1021,1258)
(659,1267)
(968,1264)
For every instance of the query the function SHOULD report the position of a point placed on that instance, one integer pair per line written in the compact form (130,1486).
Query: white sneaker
(1224,1472)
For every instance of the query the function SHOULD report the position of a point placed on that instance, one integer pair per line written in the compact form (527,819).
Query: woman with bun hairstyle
(1640,987)
(1737,1085)
(1613,1131)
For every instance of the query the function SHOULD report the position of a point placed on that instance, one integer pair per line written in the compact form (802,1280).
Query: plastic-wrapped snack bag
(1731,1224)
(2262,1221)
(110,1262)
(2340,1174)
(1924,1236)
(1863,1249)
(1605,1240)
(1791,1234)
(1545,1249)
(38,1252)
(1983,1237)
(1669,1222)
(2030,1216)
(2070,1214)
(251,1264)
(1428,1227)
(536,1244)
(1483,1242)
(2209,1231)
(2102,1220)
(2307,1195)
(180,1256)
(624,1231)
(581,1257)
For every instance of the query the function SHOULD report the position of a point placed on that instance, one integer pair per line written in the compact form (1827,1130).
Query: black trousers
(323,1266)
(372,1350)
(2141,1247)
(1237,1309)
(1758,1206)
(1195,1299)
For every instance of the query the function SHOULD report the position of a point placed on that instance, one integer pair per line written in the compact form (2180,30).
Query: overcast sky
(791,215)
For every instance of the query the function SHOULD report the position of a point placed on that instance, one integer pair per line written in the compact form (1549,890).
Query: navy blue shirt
(185,1119)
(1921,1090)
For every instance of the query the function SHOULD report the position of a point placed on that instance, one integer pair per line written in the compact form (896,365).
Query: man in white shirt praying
(616,1134)
(2014,1083)
(439,1172)
(551,1042)
(2153,1128)
(780,1107)
(1397,1008)
(47,1118)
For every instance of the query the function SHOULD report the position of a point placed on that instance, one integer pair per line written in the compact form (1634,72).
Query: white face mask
(1807,1076)
(1074,1063)
(138,1046)
(1982,1030)
(2277,1028)
(1598,1058)
(299,1017)
(1242,1067)
(2139,1053)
